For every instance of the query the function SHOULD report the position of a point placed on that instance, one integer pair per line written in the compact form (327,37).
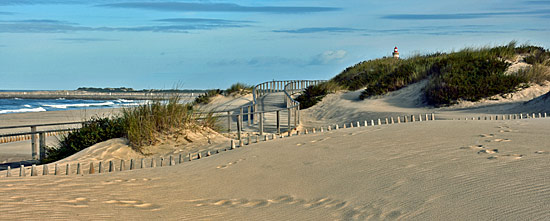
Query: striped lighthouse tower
(395,53)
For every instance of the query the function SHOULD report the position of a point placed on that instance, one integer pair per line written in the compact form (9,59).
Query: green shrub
(538,73)
(238,88)
(94,131)
(144,122)
(141,125)
(315,93)
(469,76)
(207,97)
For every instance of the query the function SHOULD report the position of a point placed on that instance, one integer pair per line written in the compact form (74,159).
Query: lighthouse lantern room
(395,53)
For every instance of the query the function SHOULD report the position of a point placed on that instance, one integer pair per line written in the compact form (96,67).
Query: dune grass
(468,74)
(233,90)
(141,125)
(238,89)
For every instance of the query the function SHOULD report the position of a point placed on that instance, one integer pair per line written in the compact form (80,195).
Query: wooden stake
(92,169)
(22,171)
(122,165)
(78,169)
(111,166)
(33,170)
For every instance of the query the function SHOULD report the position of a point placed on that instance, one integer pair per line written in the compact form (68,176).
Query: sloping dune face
(434,170)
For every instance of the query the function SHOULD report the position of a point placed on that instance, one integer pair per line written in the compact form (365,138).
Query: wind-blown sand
(430,170)
(421,170)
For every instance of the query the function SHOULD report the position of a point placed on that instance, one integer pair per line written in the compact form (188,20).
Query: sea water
(17,105)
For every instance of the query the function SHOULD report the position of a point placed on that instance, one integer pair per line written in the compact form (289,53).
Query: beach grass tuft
(142,125)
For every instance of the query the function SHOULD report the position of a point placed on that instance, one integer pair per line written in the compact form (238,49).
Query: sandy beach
(447,169)
(419,171)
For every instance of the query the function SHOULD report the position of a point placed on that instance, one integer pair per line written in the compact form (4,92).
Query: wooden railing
(38,149)
(250,114)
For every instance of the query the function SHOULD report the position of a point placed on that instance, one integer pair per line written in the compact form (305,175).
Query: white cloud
(328,57)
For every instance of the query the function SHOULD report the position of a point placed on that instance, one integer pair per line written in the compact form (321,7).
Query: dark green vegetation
(206,97)
(92,132)
(470,74)
(141,125)
(235,89)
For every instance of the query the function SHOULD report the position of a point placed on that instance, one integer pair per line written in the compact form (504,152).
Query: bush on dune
(314,94)
(94,131)
(469,74)
(141,125)
(239,89)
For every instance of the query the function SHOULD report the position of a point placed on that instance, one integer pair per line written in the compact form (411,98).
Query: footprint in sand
(501,140)
(506,157)
(320,140)
(138,204)
(300,144)
(481,149)
(486,135)
(542,152)
(117,181)
(473,147)
(338,208)
(78,202)
(505,131)
(323,202)
(488,151)
(229,164)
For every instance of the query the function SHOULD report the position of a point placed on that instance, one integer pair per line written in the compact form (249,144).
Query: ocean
(17,105)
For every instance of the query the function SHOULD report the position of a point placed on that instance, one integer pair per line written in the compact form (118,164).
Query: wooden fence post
(121,165)
(261,123)
(228,121)
(68,169)
(45,170)
(34,144)
(289,116)
(248,114)
(56,170)
(239,127)
(295,117)
(78,169)
(278,122)
(242,116)
(42,141)
(33,170)
(22,171)
(92,169)
(111,165)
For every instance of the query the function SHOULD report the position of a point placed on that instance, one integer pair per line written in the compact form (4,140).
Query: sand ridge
(372,176)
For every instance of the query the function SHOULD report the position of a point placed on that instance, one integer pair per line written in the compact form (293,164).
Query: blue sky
(66,44)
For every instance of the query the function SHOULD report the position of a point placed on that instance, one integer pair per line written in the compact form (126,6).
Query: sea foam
(23,110)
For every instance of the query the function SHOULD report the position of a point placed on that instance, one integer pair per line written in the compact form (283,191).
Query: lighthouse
(395,53)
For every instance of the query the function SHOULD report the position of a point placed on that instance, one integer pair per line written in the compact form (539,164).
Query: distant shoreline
(78,94)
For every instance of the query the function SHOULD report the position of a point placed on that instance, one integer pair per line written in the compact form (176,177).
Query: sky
(203,44)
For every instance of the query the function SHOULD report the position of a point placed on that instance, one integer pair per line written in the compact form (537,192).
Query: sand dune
(422,170)
(429,170)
